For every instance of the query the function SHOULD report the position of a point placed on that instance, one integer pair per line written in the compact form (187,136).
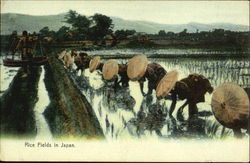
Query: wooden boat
(36,61)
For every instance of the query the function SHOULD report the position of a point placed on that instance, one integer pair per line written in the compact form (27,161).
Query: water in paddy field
(125,113)
(42,128)
(164,51)
(6,76)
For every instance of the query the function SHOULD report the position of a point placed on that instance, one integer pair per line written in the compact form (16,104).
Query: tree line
(97,27)
(94,28)
(216,35)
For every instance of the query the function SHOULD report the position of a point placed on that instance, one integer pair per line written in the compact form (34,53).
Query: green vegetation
(17,105)
(69,113)
(213,130)
(31,23)
(100,31)
(92,28)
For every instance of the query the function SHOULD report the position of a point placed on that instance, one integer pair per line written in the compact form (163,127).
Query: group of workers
(192,88)
(25,45)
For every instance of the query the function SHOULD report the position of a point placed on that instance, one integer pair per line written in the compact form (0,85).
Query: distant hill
(151,27)
(19,22)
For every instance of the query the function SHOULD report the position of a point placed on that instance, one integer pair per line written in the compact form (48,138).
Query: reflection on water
(43,131)
(217,70)
(6,76)
(175,51)
(124,112)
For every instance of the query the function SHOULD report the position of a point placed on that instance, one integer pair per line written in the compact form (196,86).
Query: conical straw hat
(110,69)
(94,63)
(166,84)
(230,105)
(137,67)
(62,54)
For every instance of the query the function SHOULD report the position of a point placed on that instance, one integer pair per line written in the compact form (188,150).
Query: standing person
(25,45)
(154,73)
(193,89)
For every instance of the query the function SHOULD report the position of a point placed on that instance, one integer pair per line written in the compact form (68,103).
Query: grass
(212,130)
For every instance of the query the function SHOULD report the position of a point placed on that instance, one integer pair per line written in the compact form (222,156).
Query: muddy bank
(17,104)
(69,113)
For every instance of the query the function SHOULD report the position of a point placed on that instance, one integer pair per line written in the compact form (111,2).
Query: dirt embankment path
(69,113)
(17,104)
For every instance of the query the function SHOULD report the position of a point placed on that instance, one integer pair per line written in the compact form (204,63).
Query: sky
(164,12)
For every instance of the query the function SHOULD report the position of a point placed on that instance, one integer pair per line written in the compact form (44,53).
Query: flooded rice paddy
(164,51)
(125,113)
(42,127)
(6,76)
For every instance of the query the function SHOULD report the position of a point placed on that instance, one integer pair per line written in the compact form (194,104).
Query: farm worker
(123,74)
(154,73)
(99,67)
(25,45)
(68,58)
(95,64)
(111,71)
(230,105)
(82,62)
(193,88)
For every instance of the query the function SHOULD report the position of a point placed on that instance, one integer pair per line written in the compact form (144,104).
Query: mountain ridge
(20,22)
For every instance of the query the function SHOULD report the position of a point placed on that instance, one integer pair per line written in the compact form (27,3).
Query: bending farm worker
(95,64)
(82,62)
(123,74)
(193,89)
(154,73)
(139,70)
(230,105)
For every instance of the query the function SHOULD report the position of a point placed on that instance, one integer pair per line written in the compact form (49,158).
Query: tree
(80,24)
(122,34)
(63,34)
(171,35)
(183,34)
(71,17)
(162,33)
(102,26)
(44,32)
(94,27)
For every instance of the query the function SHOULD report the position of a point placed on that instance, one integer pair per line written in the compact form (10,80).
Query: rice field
(125,113)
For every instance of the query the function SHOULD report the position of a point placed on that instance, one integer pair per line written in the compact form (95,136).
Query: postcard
(164,81)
